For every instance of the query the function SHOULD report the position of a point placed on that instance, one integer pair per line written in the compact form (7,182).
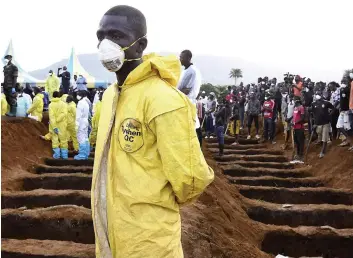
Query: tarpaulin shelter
(75,68)
(23,76)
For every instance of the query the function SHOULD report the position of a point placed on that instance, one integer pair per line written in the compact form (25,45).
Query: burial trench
(51,216)
(301,217)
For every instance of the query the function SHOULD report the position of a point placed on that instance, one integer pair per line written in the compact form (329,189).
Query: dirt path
(299,215)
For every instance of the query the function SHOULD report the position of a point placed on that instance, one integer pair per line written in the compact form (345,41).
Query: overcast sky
(282,33)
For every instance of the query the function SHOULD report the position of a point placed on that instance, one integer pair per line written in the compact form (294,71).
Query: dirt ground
(215,226)
(335,169)
(21,149)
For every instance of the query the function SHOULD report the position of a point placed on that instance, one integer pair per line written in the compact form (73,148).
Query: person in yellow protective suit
(58,126)
(4,106)
(63,97)
(95,120)
(36,109)
(47,137)
(52,84)
(148,160)
(71,121)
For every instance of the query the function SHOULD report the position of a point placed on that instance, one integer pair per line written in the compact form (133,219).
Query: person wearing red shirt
(297,88)
(268,112)
(230,95)
(298,127)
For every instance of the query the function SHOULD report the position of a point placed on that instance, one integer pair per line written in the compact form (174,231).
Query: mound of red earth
(46,213)
(21,149)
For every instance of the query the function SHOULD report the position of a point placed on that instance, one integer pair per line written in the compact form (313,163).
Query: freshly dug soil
(21,148)
(336,168)
(217,225)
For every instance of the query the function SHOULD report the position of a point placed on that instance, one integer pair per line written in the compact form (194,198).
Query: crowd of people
(325,110)
(74,111)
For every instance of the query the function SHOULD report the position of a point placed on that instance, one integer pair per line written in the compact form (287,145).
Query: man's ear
(142,45)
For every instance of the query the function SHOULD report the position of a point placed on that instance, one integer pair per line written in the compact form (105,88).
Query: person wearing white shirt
(190,84)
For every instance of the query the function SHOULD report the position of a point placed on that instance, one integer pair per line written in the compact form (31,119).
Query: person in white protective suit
(190,84)
(82,125)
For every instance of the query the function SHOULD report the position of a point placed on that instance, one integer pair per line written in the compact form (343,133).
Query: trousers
(299,138)
(268,129)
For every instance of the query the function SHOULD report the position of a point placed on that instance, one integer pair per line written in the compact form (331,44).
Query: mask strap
(133,43)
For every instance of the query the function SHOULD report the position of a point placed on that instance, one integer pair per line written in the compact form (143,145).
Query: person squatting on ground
(222,116)
(95,120)
(10,84)
(210,109)
(71,122)
(298,127)
(268,110)
(36,109)
(343,123)
(82,125)
(58,126)
(190,84)
(148,160)
(254,110)
(321,111)
(52,84)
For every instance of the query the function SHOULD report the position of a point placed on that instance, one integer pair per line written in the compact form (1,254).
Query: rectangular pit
(237,147)
(42,169)
(239,171)
(58,182)
(64,224)
(45,198)
(276,181)
(34,248)
(316,244)
(231,140)
(253,164)
(68,162)
(337,217)
(297,195)
(248,151)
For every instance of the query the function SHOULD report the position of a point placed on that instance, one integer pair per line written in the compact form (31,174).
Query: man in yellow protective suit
(71,121)
(58,126)
(95,120)
(52,84)
(36,109)
(148,160)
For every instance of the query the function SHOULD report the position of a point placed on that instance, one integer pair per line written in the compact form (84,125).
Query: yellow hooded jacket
(95,121)
(52,84)
(37,107)
(64,97)
(148,162)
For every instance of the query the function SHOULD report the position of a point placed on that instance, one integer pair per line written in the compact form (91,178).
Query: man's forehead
(113,22)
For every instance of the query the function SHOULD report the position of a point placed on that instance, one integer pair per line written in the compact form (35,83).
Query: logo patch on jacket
(130,135)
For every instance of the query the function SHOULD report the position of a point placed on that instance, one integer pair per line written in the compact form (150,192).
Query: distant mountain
(214,69)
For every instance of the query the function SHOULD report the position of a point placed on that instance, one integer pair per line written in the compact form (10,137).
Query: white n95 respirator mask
(112,56)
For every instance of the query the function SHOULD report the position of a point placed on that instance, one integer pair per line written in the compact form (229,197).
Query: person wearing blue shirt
(81,83)
(23,104)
